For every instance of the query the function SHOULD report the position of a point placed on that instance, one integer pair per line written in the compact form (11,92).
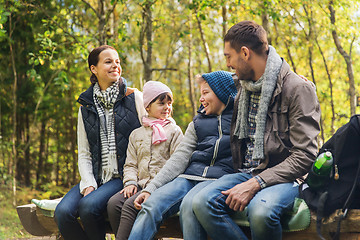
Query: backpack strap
(347,203)
(320,213)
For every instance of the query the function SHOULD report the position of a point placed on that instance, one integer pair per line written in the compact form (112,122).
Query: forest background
(43,68)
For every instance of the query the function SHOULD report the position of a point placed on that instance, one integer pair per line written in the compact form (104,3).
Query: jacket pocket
(278,130)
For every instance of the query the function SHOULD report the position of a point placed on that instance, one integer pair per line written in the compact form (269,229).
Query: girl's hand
(141,199)
(129,191)
(88,190)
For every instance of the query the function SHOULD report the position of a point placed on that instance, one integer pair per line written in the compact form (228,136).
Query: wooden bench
(37,223)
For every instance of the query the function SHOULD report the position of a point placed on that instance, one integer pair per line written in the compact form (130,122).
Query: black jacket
(126,120)
(212,157)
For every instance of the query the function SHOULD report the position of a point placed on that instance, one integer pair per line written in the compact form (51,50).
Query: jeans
(90,209)
(165,202)
(263,211)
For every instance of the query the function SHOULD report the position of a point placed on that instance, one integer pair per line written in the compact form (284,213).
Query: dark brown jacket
(292,126)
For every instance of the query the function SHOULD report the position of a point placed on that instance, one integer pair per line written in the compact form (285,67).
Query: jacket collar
(86,98)
(285,69)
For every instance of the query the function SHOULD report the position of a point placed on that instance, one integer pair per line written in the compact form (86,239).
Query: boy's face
(212,104)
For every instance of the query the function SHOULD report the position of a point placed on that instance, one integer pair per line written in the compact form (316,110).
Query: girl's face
(212,104)
(108,69)
(160,109)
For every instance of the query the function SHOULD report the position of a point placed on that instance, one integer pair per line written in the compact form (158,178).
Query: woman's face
(108,69)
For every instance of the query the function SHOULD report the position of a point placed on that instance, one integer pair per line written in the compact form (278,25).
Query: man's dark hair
(249,34)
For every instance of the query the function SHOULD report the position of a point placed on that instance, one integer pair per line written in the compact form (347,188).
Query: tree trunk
(47,176)
(40,166)
(290,56)
(102,22)
(58,151)
(190,72)
(14,98)
(265,24)
(310,51)
(331,88)
(27,152)
(347,58)
(147,31)
(310,38)
(102,18)
(224,17)
(205,45)
(73,136)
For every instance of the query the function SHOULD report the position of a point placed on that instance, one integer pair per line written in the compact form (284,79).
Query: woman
(109,112)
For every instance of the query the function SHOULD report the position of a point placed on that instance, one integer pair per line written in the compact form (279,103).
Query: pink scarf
(157,125)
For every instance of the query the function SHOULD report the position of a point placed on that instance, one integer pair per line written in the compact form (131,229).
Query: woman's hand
(141,199)
(129,191)
(88,190)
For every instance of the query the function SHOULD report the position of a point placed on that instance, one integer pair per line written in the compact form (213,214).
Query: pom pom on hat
(152,89)
(222,84)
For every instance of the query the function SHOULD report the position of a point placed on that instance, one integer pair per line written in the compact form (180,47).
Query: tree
(346,56)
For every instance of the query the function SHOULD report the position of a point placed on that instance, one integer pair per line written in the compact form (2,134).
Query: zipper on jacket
(216,148)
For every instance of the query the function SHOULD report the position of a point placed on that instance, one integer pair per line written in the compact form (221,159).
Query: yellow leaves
(59,31)
(63,11)
(41,61)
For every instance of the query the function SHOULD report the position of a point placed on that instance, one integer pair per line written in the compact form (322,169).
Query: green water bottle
(320,171)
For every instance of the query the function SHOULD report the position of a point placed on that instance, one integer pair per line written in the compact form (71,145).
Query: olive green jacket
(292,127)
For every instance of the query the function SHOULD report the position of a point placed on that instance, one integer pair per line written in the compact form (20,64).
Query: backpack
(343,183)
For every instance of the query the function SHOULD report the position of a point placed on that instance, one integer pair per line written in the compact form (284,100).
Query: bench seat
(38,222)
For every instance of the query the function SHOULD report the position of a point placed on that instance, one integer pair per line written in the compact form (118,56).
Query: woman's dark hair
(162,97)
(249,34)
(93,59)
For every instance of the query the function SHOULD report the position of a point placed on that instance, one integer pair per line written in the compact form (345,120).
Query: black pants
(122,214)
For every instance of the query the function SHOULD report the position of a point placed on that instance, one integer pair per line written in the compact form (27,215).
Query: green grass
(10,225)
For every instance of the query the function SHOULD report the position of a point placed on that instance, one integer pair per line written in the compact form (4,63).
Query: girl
(109,112)
(150,146)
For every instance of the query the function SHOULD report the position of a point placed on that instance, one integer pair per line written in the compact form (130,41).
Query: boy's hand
(141,199)
(129,191)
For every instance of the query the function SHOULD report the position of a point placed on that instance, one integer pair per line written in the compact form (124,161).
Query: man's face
(239,62)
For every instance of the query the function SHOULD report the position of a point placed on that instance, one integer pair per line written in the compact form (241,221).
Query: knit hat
(152,89)
(222,84)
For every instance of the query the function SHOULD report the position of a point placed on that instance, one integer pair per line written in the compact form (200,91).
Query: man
(273,139)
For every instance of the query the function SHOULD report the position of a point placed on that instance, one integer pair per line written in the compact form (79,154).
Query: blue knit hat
(222,84)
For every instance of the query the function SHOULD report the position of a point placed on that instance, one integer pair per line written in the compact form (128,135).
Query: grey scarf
(106,100)
(266,84)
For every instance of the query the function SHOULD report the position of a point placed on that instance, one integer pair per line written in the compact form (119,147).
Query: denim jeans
(263,211)
(165,202)
(90,209)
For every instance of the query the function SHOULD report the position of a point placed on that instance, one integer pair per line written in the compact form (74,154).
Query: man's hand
(88,190)
(129,191)
(141,199)
(240,195)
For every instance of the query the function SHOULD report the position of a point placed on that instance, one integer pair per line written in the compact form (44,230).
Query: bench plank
(29,220)
(37,224)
